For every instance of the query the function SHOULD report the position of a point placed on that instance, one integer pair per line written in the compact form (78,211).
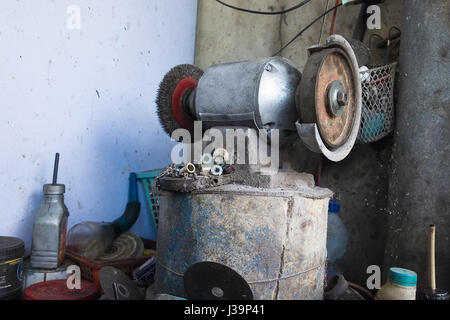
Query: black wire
(264,12)
(306,28)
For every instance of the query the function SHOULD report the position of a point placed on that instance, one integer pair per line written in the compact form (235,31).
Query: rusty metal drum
(275,238)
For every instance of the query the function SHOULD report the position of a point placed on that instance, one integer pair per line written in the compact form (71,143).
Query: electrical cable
(334,18)
(306,28)
(264,12)
(323,23)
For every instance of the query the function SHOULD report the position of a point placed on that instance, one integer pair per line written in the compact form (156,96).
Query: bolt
(342,98)
(268,67)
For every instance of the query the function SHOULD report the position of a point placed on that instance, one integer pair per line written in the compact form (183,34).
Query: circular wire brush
(176,83)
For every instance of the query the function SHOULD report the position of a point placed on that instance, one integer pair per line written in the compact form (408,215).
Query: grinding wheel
(215,281)
(328,99)
(117,285)
(321,71)
(174,87)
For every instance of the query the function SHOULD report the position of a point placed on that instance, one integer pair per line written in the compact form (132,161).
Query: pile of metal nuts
(214,164)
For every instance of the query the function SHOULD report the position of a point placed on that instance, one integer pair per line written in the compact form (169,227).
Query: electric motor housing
(258,94)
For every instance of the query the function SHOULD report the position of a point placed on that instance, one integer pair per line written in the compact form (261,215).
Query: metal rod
(116,291)
(55,168)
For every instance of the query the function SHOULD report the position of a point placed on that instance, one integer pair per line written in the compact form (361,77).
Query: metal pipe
(55,168)
(419,176)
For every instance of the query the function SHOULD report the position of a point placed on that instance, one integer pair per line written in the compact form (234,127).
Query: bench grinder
(323,104)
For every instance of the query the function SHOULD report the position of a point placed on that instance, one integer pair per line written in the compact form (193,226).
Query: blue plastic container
(336,233)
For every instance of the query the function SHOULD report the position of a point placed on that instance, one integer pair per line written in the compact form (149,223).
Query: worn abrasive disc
(215,281)
(117,285)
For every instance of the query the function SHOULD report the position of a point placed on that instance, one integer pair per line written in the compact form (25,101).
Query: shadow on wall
(125,149)
(25,225)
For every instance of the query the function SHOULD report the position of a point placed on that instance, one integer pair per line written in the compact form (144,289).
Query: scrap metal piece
(221,156)
(189,168)
(329,99)
(190,184)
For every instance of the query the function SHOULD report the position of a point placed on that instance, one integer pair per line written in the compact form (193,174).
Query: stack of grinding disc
(126,246)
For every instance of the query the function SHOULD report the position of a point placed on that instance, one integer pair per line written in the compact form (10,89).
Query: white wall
(49,79)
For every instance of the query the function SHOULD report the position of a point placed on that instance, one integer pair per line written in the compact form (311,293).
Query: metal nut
(206,158)
(188,168)
(216,170)
(342,98)
(221,156)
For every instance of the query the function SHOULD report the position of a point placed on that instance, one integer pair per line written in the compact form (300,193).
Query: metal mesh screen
(377,114)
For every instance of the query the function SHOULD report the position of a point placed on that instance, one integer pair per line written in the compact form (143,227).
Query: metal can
(12,251)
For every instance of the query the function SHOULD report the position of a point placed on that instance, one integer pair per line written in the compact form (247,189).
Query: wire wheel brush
(176,86)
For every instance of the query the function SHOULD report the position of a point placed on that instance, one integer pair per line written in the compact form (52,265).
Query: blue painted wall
(89,94)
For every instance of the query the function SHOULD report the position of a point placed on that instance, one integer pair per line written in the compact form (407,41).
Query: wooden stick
(432,267)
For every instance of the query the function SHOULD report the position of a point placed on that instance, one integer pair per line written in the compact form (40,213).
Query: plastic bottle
(49,229)
(336,234)
(90,239)
(401,285)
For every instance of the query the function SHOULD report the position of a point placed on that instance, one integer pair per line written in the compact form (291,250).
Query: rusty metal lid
(58,290)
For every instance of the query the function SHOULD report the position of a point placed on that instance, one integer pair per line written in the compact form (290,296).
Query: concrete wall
(224,35)
(89,94)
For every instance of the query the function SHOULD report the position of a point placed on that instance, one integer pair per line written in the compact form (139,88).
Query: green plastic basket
(147,178)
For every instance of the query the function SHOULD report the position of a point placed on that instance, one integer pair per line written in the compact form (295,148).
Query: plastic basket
(147,179)
(377,114)
(91,268)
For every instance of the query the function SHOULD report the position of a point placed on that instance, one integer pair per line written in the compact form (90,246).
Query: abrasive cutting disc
(215,281)
(179,80)
(126,246)
(117,285)
(322,69)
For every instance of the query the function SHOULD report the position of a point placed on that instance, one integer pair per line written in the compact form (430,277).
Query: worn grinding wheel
(329,99)
(215,281)
(179,81)
(323,69)
(116,285)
